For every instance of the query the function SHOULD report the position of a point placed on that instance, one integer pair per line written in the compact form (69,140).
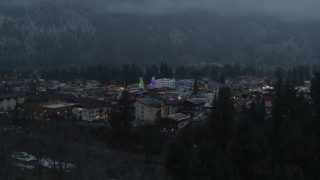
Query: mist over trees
(53,34)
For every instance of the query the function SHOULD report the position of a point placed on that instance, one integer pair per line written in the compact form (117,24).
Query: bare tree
(40,150)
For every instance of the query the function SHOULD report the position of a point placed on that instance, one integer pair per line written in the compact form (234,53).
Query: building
(169,107)
(162,83)
(258,81)
(209,96)
(268,100)
(192,106)
(34,104)
(174,122)
(92,110)
(9,102)
(185,86)
(59,110)
(146,110)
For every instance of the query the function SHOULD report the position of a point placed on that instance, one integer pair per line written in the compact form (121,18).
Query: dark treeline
(296,75)
(251,145)
(131,73)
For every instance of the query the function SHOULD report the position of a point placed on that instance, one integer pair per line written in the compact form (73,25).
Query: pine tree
(277,141)
(279,73)
(250,147)
(141,83)
(315,93)
(222,118)
(179,161)
(222,79)
(314,170)
(195,88)
(212,163)
(288,172)
(122,116)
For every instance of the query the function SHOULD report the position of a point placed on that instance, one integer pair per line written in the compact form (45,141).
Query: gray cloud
(289,8)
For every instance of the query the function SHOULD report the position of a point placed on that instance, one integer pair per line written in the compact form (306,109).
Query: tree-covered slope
(62,35)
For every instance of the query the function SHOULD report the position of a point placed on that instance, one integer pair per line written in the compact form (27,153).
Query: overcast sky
(286,8)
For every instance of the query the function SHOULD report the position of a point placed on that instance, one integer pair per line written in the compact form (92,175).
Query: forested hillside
(62,35)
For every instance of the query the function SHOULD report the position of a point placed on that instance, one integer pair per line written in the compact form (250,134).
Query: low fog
(302,9)
(68,32)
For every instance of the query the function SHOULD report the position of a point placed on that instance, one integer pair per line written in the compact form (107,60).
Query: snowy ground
(49,163)
(29,161)
(23,156)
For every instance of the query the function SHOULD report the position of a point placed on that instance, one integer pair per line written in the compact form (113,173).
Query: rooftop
(198,101)
(90,103)
(178,116)
(6,96)
(59,105)
(150,101)
(50,97)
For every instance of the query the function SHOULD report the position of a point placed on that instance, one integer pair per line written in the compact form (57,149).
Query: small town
(159,90)
(129,123)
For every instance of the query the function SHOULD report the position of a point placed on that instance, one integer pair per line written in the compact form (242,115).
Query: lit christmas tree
(141,84)
(153,82)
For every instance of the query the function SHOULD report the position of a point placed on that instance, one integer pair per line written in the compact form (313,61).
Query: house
(60,110)
(9,101)
(169,107)
(185,85)
(146,110)
(45,106)
(258,81)
(135,94)
(209,96)
(166,83)
(162,83)
(245,82)
(192,106)
(174,122)
(92,110)
(268,100)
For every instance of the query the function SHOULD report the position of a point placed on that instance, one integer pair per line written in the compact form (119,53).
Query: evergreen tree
(141,83)
(222,79)
(165,71)
(195,88)
(250,147)
(222,118)
(314,170)
(122,116)
(279,73)
(277,140)
(288,172)
(237,69)
(213,164)
(315,93)
(179,161)
(204,162)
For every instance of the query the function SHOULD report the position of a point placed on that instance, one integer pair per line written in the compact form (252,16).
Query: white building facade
(9,102)
(95,114)
(146,110)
